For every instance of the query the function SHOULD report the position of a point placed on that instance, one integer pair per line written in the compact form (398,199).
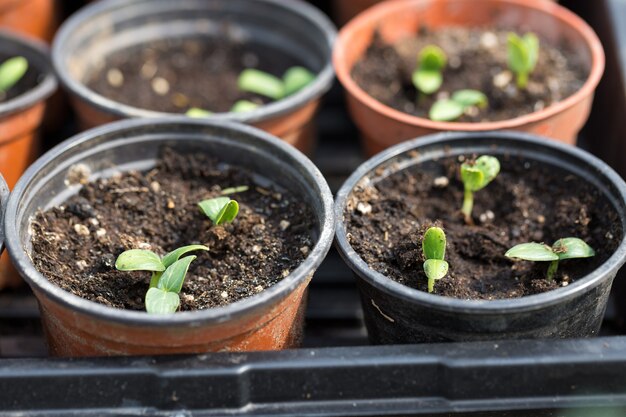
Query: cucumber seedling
(476,174)
(428,75)
(434,249)
(240,106)
(449,109)
(11,71)
(220,209)
(259,82)
(523,52)
(566,248)
(168,275)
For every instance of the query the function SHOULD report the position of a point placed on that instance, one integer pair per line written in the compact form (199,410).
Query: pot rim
(231,311)
(44,88)
(4,197)
(323,80)
(443,303)
(560,13)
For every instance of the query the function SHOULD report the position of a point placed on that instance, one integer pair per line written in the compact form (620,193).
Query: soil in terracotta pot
(172,76)
(477,59)
(75,245)
(526,202)
(30,80)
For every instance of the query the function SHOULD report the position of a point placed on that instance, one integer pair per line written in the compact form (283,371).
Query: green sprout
(566,248)
(235,190)
(450,109)
(11,71)
(476,174)
(428,76)
(258,82)
(220,209)
(240,106)
(168,275)
(523,53)
(434,248)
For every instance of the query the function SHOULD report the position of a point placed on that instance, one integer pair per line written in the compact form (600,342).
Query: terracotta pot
(344,10)
(20,119)
(381,126)
(37,18)
(294,28)
(74,326)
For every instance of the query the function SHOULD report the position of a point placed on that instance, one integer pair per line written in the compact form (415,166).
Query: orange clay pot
(36,18)
(344,10)
(20,119)
(294,28)
(381,126)
(271,319)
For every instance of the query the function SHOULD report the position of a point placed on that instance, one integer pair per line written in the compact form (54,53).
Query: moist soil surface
(526,203)
(76,244)
(30,80)
(174,75)
(477,59)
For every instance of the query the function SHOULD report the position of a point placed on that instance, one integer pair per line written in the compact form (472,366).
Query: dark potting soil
(174,75)
(477,59)
(75,245)
(526,203)
(30,80)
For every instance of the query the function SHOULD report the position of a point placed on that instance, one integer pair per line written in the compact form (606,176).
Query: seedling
(11,71)
(259,82)
(476,174)
(523,53)
(434,249)
(428,76)
(235,190)
(168,275)
(220,209)
(447,110)
(566,248)
(240,106)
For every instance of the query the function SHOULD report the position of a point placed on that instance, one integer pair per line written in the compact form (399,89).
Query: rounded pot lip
(195,318)
(442,303)
(379,11)
(44,88)
(4,197)
(321,85)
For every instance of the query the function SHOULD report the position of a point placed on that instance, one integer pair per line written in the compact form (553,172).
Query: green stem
(154,281)
(431,284)
(468,205)
(522,80)
(554,265)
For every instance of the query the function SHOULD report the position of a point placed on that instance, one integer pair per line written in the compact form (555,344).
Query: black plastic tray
(336,373)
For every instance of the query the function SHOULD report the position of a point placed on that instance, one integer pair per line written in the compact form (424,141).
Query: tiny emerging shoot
(240,106)
(428,76)
(235,190)
(523,53)
(168,275)
(476,174)
(259,82)
(11,71)
(434,249)
(447,110)
(566,248)
(220,209)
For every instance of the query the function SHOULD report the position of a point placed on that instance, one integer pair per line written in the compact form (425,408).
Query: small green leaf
(532,47)
(517,54)
(435,268)
(432,58)
(532,252)
(235,190)
(11,71)
(470,98)
(434,243)
(175,255)
(445,110)
(197,112)
(243,106)
(259,82)
(472,177)
(427,81)
(572,247)
(174,276)
(139,260)
(159,301)
(296,78)
(490,167)
(220,209)
(477,174)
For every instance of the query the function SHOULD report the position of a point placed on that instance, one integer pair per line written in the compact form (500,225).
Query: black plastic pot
(294,28)
(395,313)
(74,326)
(4,197)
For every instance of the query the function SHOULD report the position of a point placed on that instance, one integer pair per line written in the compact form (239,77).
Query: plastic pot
(74,326)
(395,313)
(382,126)
(294,28)
(37,18)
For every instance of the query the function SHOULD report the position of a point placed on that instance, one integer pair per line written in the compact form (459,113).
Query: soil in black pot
(527,202)
(174,75)
(75,245)
(477,59)
(30,80)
